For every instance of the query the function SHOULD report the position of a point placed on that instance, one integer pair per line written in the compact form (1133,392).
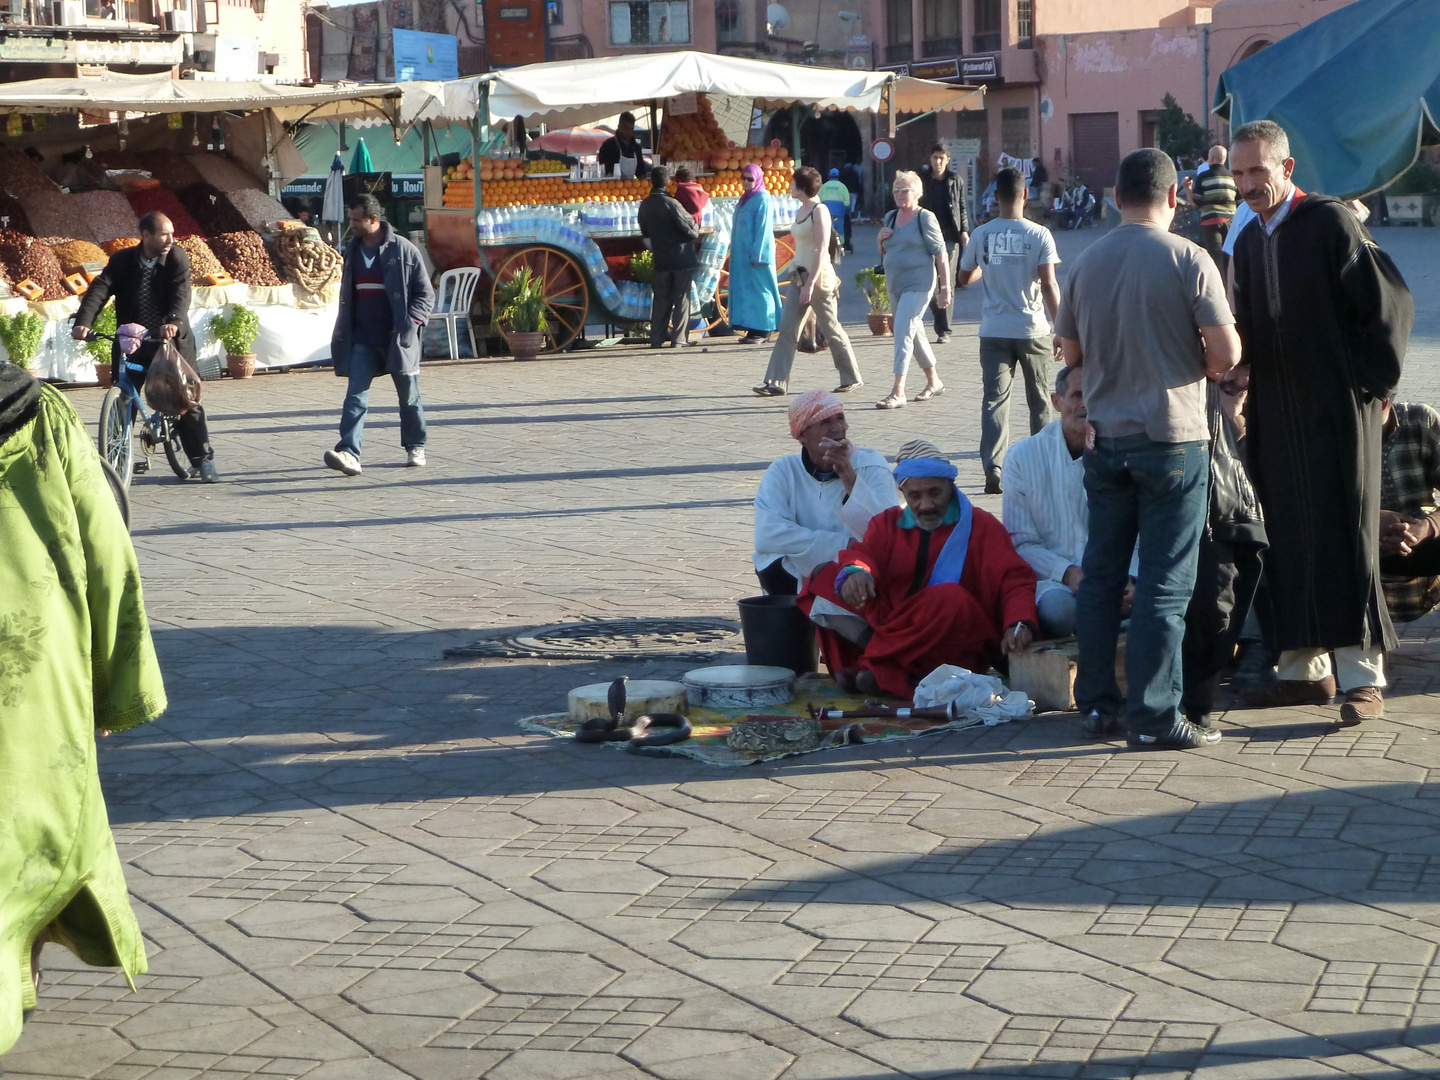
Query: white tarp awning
(162,94)
(581,91)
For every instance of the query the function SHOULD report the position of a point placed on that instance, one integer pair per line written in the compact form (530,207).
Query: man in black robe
(1324,318)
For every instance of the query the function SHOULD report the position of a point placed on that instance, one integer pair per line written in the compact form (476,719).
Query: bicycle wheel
(122,497)
(116,446)
(174,452)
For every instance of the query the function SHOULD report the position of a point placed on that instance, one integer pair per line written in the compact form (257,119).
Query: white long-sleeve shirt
(1045,508)
(805,522)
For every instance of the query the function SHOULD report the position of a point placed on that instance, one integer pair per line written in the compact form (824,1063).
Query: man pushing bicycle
(151,286)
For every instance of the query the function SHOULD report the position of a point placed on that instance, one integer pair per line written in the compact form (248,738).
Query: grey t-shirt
(1010,252)
(1135,300)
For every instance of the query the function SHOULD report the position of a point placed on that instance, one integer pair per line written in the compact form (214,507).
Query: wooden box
(1047,673)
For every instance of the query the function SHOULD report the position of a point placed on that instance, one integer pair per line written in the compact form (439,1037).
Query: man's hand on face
(858,590)
(835,456)
(1127,599)
(1072,578)
(1017,638)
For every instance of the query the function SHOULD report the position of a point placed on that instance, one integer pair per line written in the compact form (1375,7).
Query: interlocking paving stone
(351,864)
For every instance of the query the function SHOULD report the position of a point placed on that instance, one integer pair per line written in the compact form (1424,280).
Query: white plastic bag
(968,694)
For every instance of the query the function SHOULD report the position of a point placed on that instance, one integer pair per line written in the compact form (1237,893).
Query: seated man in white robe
(812,504)
(1045,508)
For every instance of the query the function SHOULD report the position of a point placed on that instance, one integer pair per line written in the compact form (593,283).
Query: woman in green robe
(75,658)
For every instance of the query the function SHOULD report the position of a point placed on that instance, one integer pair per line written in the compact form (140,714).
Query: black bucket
(778,634)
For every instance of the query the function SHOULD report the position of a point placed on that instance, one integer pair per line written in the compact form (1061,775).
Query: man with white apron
(621,155)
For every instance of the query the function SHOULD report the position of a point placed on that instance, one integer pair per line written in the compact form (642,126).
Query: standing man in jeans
(385,301)
(670,233)
(1015,260)
(1144,315)
(943,194)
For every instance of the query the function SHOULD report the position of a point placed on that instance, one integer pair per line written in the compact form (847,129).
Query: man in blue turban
(934,582)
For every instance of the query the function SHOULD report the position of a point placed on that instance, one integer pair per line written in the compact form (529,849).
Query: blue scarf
(951,562)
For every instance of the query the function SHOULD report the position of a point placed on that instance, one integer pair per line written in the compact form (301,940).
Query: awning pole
(479,130)
(890,106)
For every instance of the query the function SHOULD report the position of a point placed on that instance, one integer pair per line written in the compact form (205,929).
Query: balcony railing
(941,47)
(899,53)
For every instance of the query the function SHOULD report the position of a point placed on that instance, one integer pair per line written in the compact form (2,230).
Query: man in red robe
(936,582)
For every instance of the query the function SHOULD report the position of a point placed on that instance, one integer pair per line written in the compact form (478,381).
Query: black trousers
(1212,239)
(775,580)
(192,428)
(670,306)
(1225,585)
(942,315)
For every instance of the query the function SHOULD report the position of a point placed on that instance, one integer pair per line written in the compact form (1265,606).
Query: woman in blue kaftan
(754,294)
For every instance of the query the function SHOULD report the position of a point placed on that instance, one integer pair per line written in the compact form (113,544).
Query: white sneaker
(343,461)
(415,457)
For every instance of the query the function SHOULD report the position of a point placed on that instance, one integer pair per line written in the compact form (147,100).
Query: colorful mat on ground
(711,726)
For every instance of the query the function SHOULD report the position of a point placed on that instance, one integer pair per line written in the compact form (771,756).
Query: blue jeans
(366,364)
(1159,493)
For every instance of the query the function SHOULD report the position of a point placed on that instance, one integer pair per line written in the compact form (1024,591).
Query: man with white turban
(937,582)
(811,504)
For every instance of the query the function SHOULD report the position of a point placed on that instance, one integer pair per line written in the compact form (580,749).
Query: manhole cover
(686,639)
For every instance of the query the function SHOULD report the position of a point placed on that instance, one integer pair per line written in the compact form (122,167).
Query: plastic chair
(453,296)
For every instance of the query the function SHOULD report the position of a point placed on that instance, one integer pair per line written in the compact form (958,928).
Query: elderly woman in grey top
(913,248)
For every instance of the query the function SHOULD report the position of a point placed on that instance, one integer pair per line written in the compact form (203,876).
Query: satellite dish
(777,18)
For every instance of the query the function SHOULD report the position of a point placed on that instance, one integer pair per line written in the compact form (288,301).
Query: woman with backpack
(814,286)
(913,249)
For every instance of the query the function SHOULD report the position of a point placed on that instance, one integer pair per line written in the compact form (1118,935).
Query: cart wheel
(719,306)
(567,296)
(784,254)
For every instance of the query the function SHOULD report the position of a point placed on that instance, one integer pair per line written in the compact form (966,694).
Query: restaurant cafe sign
(401,187)
(958,69)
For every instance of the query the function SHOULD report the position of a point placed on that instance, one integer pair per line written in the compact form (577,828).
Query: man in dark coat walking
(1324,318)
(151,286)
(943,194)
(385,300)
(670,233)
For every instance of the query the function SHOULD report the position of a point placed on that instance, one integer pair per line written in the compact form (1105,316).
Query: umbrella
(1357,91)
(332,206)
(576,141)
(361,162)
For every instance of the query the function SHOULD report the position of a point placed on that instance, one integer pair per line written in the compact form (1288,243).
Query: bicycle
(118,411)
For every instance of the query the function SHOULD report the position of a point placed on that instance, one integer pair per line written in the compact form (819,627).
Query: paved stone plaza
(350,863)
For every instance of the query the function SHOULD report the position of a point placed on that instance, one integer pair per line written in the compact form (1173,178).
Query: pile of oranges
(727,182)
(544,191)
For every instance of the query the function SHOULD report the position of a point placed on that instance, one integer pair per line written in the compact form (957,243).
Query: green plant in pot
(873,286)
(237,333)
(22,335)
(522,313)
(642,267)
(99,350)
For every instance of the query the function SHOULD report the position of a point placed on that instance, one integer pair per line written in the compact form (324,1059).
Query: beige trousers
(827,319)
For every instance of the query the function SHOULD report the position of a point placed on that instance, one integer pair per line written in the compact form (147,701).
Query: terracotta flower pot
(525,345)
(881,323)
(104,376)
(240,367)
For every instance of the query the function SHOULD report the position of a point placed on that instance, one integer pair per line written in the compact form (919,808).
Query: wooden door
(515,32)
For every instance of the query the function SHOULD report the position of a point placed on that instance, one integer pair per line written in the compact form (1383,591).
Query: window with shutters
(987,25)
(1025,23)
(899,33)
(648,22)
(728,26)
(942,28)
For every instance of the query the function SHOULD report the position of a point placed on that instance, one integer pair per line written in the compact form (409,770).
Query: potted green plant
(642,267)
(237,333)
(881,320)
(99,349)
(521,313)
(21,334)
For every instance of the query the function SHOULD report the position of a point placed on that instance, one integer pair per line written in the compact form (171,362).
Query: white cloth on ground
(1045,508)
(805,522)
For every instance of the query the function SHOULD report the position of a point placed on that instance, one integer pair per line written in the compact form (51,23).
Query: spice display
(310,264)
(20,175)
(244,257)
(50,213)
(74,254)
(120,243)
(25,257)
(212,210)
(12,214)
(258,209)
(142,202)
(220,171)
(203,262)
(106,214)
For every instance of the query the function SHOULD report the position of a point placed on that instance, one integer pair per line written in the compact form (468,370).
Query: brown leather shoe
(1361,704)
(1284,692)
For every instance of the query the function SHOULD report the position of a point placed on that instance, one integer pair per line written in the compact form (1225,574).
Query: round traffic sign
(882,150)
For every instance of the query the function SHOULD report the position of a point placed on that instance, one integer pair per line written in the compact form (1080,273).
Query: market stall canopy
(582,91)
(162,94)
(1357,91)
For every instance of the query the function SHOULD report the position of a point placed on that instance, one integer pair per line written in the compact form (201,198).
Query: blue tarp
(1357,91)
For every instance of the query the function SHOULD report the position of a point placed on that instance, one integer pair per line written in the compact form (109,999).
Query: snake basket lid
(739,686)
